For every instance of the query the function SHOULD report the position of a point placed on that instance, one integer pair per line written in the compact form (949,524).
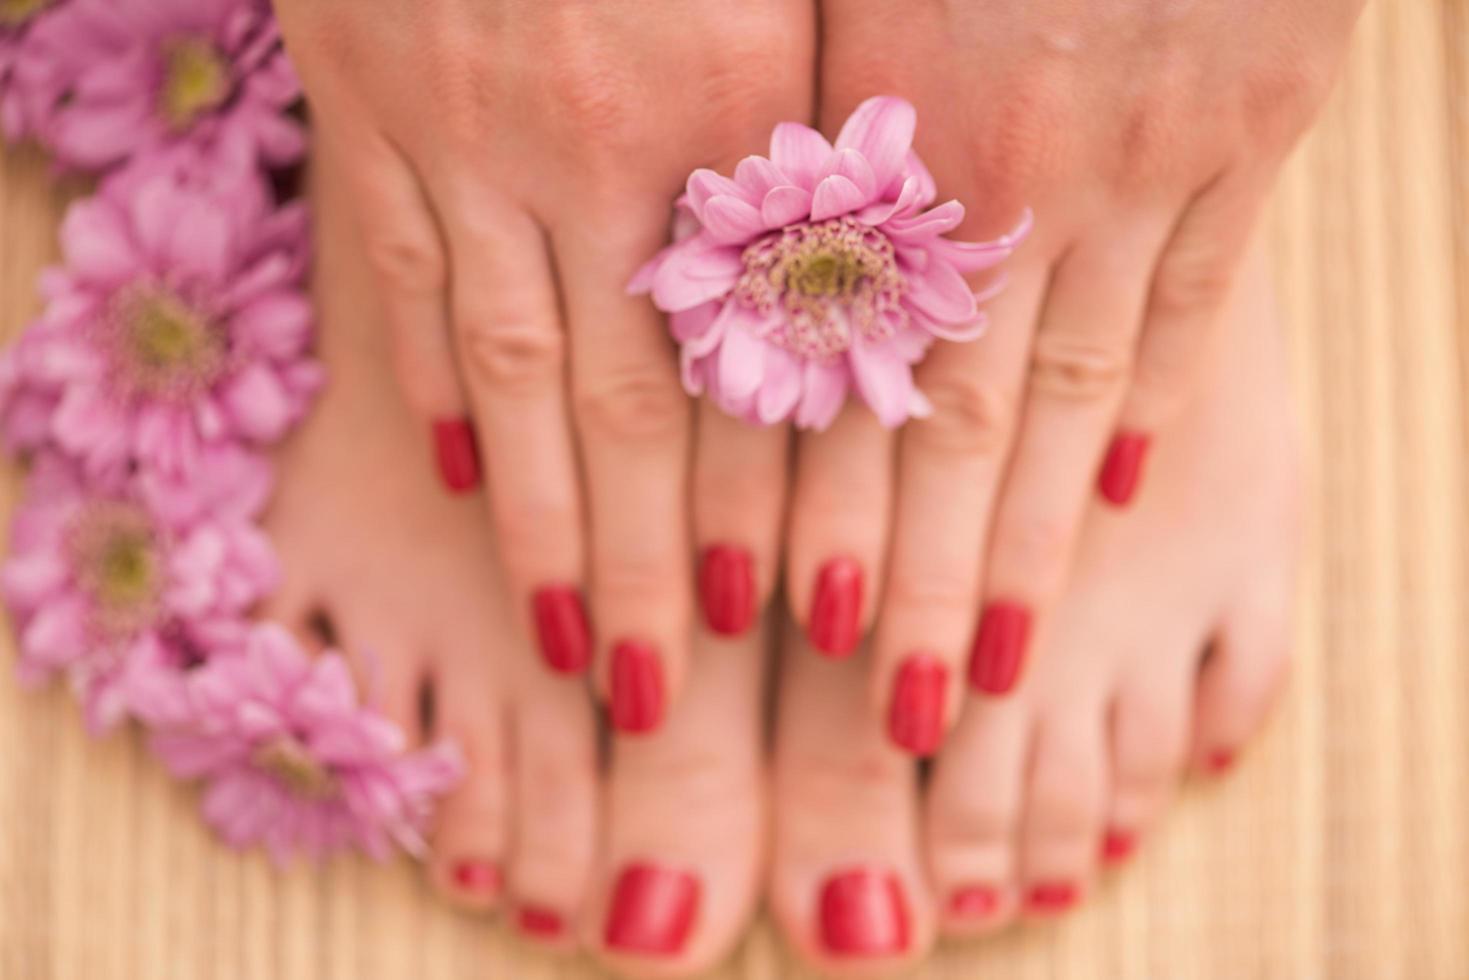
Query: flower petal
(941,294)
(759,176)
(781,390)
(784,206)
(704,185)
(800,152)
(823,392)
(881,129)
(695,271)
(883,379)
(741,359)
(730,221)
(853,166)
(930,224)
(835,196)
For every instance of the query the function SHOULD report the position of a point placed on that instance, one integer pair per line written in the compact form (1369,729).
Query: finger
(739,497)
(634,420)
(1191,284)
(950,466)
(1079,366)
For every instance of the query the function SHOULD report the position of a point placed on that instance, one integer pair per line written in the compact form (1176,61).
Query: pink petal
(881,212)
(704,185)
(277,324)
(784,206)
(730,221)
(695,271)
(261,407)
(800,152)
(759,176)
(201,244)
(97,244)
(835,196)
(881,129)
(941,294)
(930,224)
(741,361)
(884,381)
(781,390)
(851,165)
(824,391)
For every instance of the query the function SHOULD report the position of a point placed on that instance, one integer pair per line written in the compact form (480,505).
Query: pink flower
(178,322)
(105,80)
(289,757)
(17,18)
(98,583)
(818,270)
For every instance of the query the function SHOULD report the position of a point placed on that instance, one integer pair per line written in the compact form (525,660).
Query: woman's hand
(1144,136)
(513,163)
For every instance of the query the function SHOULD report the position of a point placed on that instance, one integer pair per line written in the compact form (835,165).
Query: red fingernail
(541,923)
(864,913)
(999,647)
(457,454)
(975,902)
(653,910)
(1122,470)
(836,610)
(1220,760)
(1117,846)
(727,586)
(479,878)
(561,627)
(1051,898)
(916,716)
(637,687)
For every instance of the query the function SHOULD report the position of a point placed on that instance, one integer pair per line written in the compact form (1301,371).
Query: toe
(685,823)
(1150,731)
(848,887)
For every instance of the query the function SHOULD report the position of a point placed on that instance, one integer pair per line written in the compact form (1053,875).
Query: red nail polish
(478,878)
(836,609)
(727,587)
(541,923)
(1122,470)
(457,454)
(974,902)
(1117,846)
(864,913)
(916,715)
(561,628)
(637,687)
(1051,897)
(999,647)
(1220,761)
(653,910)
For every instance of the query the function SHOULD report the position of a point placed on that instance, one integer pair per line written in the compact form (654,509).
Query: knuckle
(406,262)
(1076,368)
(1063,800)
(969,418)
(511,354)
(638,580)
(537,531)
(930,589)
(1038,548)
(978,820)
(643,405)
(1192,279)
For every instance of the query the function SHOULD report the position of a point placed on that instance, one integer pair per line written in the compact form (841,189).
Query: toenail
(653,910)
(539,923)
(478,878)
(836,609)
(727,589)
(975,902)
(999,647)
(1123,468)
(1117,846)
(637,687)
(1220,761)
(864,913)
(916,715)
(457,454)
(1051,897)
(561,627)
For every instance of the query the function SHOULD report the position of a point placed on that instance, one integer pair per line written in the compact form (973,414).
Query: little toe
(1151,715)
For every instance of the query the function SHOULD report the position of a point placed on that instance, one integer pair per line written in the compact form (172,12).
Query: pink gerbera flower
(106,80)
(290,758)
(177,322)
(17,18)
(818,270)
(98,583)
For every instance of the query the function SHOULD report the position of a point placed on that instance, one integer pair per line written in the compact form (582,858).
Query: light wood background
(1340,850)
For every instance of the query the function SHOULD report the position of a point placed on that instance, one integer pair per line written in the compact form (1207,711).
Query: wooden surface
(1341,849)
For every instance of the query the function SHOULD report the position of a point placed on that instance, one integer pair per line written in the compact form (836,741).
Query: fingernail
(457,454)
(1122,470)
(1051,897)
(478,878)
(916,716)
(864,913)
(975,902)
(561,627)
(540,923)
(999,647)
(727,587)
(637,687)
(653,910)
(1117,846)
(1220,761)
(836,610)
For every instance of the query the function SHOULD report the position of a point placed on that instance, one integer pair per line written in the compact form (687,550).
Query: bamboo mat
(1341,848)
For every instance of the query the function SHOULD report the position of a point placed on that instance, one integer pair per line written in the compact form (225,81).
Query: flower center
(195,80)
(286,759)
(16,12)
(831,282)
(165,347)
(118,562)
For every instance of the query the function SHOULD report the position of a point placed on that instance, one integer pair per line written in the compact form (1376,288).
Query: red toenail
(864,913)
(541,923)
(561,627)
(1220,760)
(727,587)
(916,716)
(1118,846)
(836,609)
(1122,470)
(653,910)
(974,902)
(457,454)
(480,878)
(999,647)
(637,687)
(1052,897)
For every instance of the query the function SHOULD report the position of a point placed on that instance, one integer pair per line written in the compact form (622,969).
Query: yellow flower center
(195,80)
(165,346)
(286,759)
(118,563)
(16,12)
